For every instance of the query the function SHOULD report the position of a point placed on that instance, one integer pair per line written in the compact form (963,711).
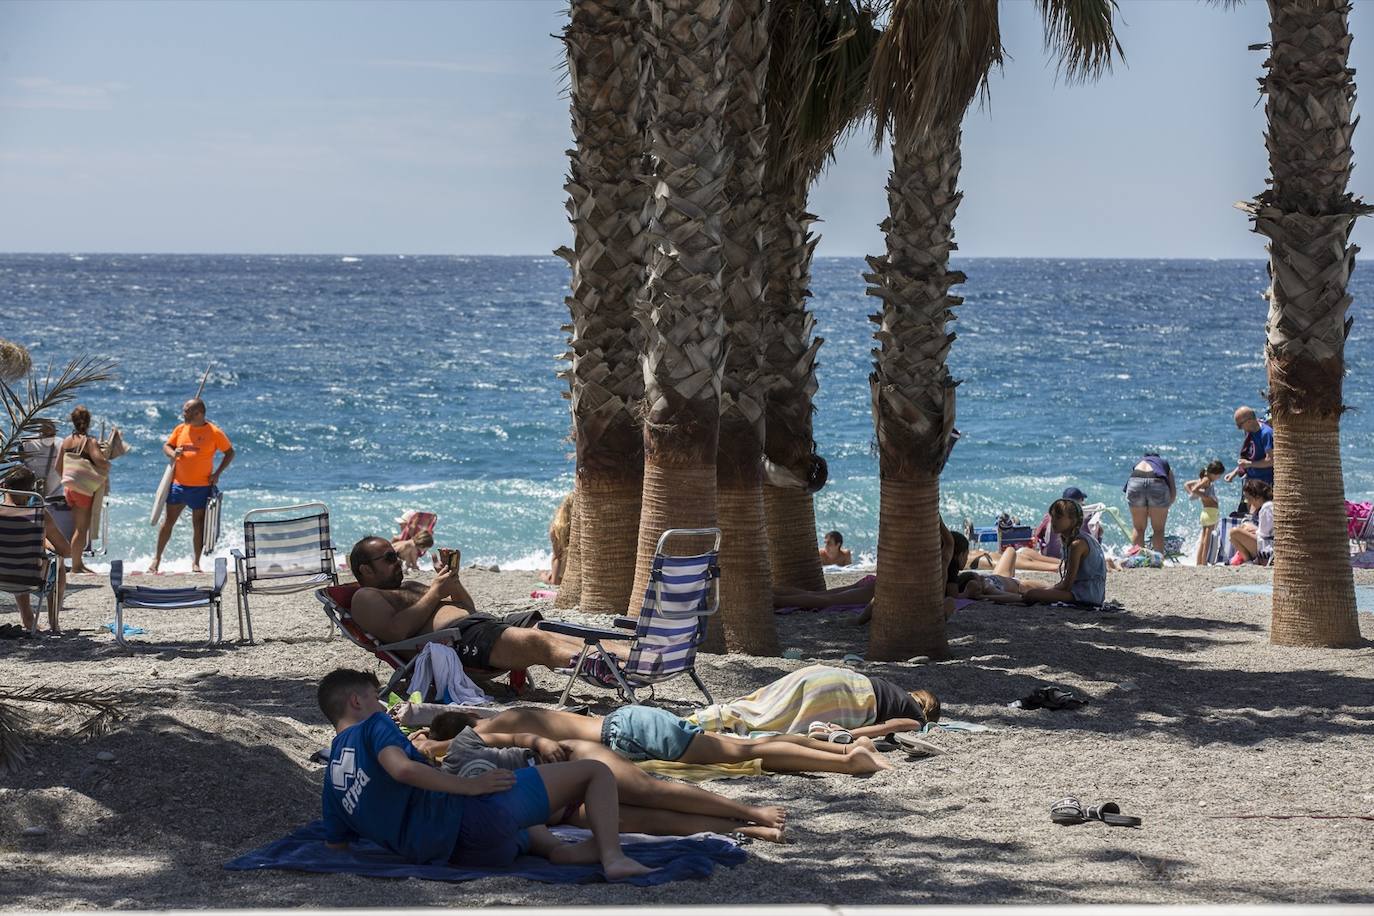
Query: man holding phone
(392,608)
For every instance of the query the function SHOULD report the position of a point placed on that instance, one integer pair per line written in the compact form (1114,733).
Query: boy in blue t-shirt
(379,787)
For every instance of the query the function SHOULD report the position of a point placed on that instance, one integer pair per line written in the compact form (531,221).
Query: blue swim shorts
(493,833)
(647,733)
(190,497)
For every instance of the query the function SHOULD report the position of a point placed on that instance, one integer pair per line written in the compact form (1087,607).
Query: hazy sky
(441,128)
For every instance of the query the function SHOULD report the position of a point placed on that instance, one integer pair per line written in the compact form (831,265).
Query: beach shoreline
(1193,721)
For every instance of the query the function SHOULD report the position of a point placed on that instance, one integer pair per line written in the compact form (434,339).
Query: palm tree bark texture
(746,619)
(913,393)
(680,307)
(1307,214)
(606,196)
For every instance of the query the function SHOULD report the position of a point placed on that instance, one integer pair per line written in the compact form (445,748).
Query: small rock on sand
(105,756)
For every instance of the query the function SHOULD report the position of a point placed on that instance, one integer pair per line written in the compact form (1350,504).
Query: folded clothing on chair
(675,858)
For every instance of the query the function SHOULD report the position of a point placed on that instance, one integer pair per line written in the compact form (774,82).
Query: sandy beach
(1194,720)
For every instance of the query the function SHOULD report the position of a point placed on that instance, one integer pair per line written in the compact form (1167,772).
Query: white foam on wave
(350,260)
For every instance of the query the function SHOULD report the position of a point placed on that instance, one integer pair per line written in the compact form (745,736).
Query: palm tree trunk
(1307,214)
(682,299)
(790,365)
(606,196)
(570,589)
(913,393)
(746,618)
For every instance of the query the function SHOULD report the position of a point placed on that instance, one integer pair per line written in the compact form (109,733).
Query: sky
(441,128)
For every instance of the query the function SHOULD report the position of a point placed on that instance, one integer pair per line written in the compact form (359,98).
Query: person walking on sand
(1256,452)
(192,445)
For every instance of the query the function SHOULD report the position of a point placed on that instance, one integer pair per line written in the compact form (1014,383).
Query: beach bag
(1356,518)
(81,476)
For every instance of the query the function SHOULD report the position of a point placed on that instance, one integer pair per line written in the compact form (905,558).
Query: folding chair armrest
(625,623)
(221,574)
(416,642)
(117,575)
(586,634)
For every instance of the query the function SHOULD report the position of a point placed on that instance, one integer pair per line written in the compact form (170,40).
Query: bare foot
(864,617)
(152,569)
(866,743)
(865,761)
(195,568)
(769,815)
(624,867)
(767,834)
(78,571)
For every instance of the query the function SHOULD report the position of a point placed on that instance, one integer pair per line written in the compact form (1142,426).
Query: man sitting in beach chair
(392,609)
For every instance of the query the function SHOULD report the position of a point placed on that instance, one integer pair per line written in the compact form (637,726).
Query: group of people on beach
(70,475)
(480,791)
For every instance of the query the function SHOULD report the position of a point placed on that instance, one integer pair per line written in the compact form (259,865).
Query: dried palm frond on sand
(87,713)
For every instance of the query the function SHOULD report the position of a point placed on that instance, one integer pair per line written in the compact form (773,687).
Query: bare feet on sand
(865,761)
(767,834)
(624,867)
(769,815)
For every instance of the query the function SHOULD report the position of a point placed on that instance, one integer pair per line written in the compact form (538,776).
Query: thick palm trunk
(681,302)
(746,619)
(1307,215)
(790,365)
(606,196)
(913,393)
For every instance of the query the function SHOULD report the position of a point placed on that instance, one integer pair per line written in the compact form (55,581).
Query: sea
(379,384)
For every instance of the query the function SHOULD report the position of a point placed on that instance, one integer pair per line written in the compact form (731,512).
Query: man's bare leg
(784,756)
(170,514)
(658,822)
(520,647)
(591,784)
(639,788)
(197,538)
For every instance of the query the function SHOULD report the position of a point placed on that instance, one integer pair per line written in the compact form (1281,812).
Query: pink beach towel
(544,593)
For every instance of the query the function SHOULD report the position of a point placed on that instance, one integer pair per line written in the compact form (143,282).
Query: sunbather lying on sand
(647,805)
(648,733)
(392,608)
(379,787)
(866,707)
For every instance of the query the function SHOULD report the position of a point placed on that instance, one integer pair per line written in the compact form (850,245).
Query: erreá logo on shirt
(344,769)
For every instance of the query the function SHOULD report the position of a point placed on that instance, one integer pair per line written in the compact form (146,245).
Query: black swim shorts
(478,634)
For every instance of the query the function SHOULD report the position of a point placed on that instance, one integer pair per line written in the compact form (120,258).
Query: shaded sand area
(1193,719)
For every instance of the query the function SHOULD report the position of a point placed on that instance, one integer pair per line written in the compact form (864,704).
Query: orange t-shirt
(197,462)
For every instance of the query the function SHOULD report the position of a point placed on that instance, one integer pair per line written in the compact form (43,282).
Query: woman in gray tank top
(1083,571)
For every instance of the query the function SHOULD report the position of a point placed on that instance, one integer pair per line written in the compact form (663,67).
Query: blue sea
(384,383)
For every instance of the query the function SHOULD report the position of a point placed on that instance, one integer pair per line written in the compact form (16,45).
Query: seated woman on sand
(1254,538)
(560,532)
(1083,570)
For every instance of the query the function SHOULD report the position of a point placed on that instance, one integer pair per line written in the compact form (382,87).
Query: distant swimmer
(833,552)
(192,446)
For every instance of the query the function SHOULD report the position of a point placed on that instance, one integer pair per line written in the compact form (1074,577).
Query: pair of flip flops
(13,631)
(1069,811)
(824,731)
(1049,697)
(916,747)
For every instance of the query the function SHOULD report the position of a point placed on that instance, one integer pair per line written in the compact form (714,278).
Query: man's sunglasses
(390,556)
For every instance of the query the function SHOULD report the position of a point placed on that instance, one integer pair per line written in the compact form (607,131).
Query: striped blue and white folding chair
(169,599)
(282,555)
(25,569)
(1219,550)
(683,592)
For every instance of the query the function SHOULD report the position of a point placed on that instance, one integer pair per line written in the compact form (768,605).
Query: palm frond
(932,60)
(25,404)
(96,712)
(1082,35)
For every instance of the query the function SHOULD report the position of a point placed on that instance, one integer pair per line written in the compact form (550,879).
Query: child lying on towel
(647,805)
(647,733)
(377,786)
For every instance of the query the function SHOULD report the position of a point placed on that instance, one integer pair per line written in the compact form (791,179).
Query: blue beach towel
(1364,594)
(129,629)
(676,858)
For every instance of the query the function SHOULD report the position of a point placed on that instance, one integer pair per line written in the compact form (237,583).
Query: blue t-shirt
(1257,447)
(362,800)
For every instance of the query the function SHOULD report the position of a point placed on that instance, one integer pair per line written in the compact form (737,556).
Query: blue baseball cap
(1075,494)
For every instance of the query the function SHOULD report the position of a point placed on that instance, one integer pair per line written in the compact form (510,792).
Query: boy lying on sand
(647,805)
(379,787)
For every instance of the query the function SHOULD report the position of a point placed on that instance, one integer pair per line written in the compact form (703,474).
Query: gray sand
(1194,718)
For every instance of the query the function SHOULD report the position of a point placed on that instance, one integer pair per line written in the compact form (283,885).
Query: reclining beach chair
(283,555)
(26,568)
(170,599)
(337,600)
(683,593)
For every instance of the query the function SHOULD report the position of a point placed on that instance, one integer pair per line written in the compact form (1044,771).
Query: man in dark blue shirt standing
(1256,452)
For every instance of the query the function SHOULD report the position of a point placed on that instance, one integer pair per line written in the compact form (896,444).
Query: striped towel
(791,703)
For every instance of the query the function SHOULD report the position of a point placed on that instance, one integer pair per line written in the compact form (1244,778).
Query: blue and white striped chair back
(279,548)
(672,621)
(21,543)
(1220,549)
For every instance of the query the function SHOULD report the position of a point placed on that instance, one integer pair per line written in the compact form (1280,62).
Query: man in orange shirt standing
(192,445)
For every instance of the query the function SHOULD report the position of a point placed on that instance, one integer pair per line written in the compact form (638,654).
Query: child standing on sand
(1205,489)
(379,787)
